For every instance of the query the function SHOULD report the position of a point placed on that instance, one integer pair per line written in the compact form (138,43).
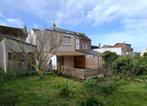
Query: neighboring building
(118,48)
(11,45)
(144,51)
(17,33)
(126,47)
(11,56)
(118,51)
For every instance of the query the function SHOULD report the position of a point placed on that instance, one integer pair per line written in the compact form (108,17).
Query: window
(67,40)
(85,46)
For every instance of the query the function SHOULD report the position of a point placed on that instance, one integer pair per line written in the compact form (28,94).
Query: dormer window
(67,40)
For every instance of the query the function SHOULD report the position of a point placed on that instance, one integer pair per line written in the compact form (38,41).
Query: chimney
(54,26)
(99,45)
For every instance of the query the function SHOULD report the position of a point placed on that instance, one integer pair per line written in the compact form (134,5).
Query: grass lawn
(31,91)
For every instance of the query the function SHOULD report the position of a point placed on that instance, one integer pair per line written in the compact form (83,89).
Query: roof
(13,32)
(65,31)
(125,46)
(94,47)
(15,39)
(89,52)
(107,46)
(79,34)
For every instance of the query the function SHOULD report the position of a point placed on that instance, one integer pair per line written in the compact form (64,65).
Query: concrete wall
(16,46)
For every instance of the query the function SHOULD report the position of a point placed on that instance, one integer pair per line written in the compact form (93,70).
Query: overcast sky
(104,21)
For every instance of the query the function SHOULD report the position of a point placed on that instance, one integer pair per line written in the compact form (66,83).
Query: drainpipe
(4,55)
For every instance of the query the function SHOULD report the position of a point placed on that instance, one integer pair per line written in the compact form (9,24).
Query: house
(118,51)
(18,33)
(118,48)
(11,56)
(126,47)
(74,56)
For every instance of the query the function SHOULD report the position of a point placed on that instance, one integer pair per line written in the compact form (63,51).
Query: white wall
(118,51)
(144,51)
(54,62)
(77,44)
(31,37)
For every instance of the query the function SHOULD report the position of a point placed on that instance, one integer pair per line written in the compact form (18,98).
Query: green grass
(34,92)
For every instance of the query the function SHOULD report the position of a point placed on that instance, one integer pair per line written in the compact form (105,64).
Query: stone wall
(80,73)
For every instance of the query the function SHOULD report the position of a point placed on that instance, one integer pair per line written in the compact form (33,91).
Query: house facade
(74,56)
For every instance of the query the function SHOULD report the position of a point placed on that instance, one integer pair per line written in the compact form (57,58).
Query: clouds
(95,12)
(129,15)
(11,21)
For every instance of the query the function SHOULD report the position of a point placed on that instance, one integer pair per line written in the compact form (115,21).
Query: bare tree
(47,43)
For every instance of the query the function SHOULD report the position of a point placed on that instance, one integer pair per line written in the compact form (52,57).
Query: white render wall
(54,62)
(118,51)
(144,51)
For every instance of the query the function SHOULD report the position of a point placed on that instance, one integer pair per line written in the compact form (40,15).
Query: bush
(91,101)
(140,65)
(130,66)
(90,83)
(108,89)
(12,75)
(65,91)
(8,97)
(6,76)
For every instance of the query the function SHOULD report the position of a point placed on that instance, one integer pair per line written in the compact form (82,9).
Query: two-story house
(74,56)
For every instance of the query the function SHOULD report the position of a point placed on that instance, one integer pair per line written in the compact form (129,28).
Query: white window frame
(67,42)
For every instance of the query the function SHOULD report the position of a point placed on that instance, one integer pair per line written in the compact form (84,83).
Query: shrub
(6,76)
(91,101)
(108,89)
(90,83)
(130,66)
(140,65)
(123,66)
(65,91)
(12,75)
(8,97)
